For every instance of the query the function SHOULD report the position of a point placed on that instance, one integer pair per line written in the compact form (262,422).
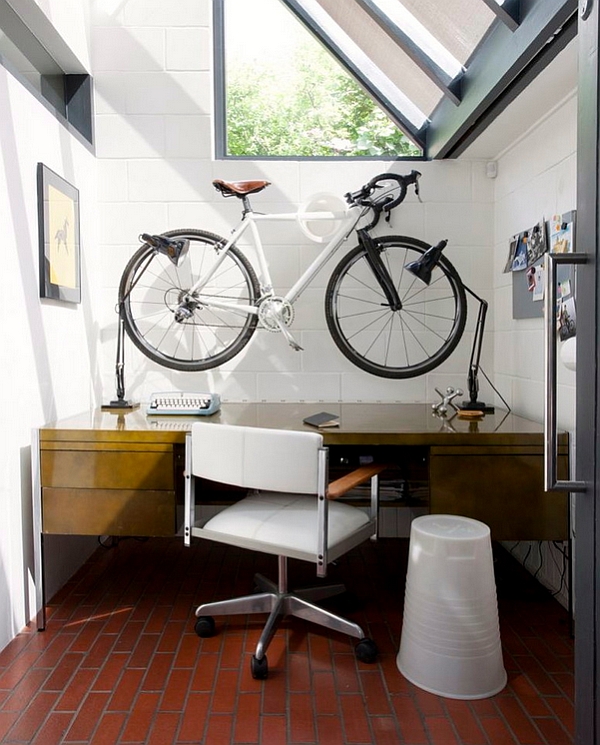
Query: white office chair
(293,515)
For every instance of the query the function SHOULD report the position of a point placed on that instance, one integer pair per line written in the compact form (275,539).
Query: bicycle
(191,300)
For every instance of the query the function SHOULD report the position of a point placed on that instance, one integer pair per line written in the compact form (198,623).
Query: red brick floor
(119,661)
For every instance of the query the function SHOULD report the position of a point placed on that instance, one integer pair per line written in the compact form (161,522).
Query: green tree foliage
(310,108)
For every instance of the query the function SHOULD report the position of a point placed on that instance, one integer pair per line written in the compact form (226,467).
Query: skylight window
(412,27)
(364,63)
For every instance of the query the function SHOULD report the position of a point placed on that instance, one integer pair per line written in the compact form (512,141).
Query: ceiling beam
(449,86)
(499,64)
(509,12)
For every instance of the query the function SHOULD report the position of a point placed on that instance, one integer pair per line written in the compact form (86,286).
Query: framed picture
(58,220)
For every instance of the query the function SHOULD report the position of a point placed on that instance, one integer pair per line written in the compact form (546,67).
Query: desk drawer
(505,491)
(108,512)
(106,469)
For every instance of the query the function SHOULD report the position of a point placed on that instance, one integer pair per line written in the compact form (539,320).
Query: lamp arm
(120,402)
(472,378)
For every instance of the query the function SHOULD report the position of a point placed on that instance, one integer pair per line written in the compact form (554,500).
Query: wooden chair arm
(341,486)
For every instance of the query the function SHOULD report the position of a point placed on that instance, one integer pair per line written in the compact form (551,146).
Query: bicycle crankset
(276,314)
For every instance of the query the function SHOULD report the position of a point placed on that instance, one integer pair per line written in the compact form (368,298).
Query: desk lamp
(422,269)
(120,402)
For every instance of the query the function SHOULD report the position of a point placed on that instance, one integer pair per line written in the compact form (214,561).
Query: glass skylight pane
(364,62)
(458,25)
(413,28)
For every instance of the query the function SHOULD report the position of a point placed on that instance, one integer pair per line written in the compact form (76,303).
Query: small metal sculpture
(442,406)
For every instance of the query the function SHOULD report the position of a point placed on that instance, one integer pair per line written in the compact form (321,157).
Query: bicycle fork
(380,271)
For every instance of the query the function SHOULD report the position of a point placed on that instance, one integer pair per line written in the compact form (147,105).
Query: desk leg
(38,538)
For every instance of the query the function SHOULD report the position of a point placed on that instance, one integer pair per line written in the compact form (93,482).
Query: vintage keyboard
(175,403)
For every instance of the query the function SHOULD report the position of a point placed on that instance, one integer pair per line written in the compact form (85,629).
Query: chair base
(278,602)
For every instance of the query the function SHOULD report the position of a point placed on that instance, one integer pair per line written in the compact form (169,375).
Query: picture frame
(59,239)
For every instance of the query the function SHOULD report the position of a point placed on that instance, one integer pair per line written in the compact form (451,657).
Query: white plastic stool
(450,643)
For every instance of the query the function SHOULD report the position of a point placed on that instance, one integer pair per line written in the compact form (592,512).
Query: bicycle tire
(152,287)
(405,343)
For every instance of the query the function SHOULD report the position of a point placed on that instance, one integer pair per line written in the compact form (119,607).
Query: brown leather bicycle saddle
(239,188)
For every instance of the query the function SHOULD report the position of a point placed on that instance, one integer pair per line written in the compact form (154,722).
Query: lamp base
(476,406)
(119,404)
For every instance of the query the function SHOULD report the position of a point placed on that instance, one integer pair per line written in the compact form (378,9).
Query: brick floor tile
(375,692)
(163,729)
(20,697)
(126,690)
(32,718)
(194,718)
(298,670)
(355,720)
(84,723)
(53,730)
(176,690)
(329,730)
(326,700)
(385,731)
(141,717)
(107,677)
(554,732)
(410,720)
(157,673)
(109,729)
(225,692)
(220,727)
(75,692)
(465,723)
(247,719)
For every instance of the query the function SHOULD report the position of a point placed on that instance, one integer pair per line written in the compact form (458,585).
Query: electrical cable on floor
(541,558)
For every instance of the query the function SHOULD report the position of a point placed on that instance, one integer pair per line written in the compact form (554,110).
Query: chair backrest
(255,458)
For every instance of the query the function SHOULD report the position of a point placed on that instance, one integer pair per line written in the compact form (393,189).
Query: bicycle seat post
(247,207)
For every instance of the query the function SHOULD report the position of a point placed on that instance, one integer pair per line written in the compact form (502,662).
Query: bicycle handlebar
(364,196)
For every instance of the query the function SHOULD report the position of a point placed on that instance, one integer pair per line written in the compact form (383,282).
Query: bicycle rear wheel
(395,344)
(152,289)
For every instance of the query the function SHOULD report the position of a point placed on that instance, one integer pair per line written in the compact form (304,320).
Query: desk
(105,473)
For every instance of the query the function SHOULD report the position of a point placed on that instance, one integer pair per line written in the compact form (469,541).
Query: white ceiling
(552,86)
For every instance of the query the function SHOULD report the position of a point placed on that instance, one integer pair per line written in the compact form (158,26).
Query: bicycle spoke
(401,342)
(182,330)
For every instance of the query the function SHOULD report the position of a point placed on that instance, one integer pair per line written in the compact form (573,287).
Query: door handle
(551,482)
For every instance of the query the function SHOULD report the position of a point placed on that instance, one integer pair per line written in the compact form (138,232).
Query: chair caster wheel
(366,651)
(205,626)
(259,668)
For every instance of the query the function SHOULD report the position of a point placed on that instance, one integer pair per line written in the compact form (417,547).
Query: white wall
(49,356)
(536,179)
(153,75)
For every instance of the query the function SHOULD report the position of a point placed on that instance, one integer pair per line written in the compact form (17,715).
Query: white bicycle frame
(350,219)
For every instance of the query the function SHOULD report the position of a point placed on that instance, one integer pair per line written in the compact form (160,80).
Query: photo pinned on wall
(566,318)
(517,253)
(537,245)
(562,232)
(526,248)
(535,282)
(58,227)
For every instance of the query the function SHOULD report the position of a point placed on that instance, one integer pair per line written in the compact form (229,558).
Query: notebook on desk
(323,419)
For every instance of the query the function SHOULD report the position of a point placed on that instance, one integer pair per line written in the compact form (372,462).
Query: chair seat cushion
(286,520)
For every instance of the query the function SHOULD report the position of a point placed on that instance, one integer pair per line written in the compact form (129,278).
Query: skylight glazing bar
(508,11)
(403,111)
(418,43)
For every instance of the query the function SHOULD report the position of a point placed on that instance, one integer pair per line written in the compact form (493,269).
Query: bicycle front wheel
(151,292)
(390,343)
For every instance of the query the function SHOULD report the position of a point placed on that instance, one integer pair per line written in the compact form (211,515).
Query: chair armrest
(341,486)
